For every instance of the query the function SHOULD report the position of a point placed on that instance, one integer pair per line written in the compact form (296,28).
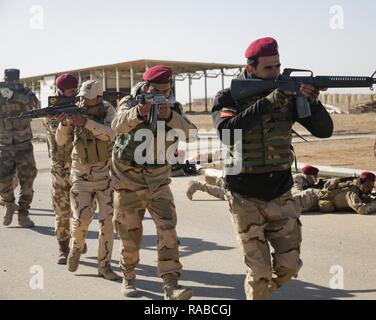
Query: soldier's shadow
(187,247)
(40,212)
(50,231)
(301,290)
(336,213)
(215,285)
(316,213)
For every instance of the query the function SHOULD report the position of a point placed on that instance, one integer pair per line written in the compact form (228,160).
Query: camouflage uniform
(262,207)
(90,177)
(344,196)
(16,155)
(213,185)
(15,185)
(305,196)
(60,172)
(140,187)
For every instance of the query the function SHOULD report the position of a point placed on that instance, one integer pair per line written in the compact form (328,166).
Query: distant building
(121,77)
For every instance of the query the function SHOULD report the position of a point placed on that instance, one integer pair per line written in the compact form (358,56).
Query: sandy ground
(352,153)
(336,265)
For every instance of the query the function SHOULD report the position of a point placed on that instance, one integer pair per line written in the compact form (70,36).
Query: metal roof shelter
(123,76)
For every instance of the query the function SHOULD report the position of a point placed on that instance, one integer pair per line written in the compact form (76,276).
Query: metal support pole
(132,77)
(104,80)
(190,92)
(117,79)
(206,91)
(223,79)
(79,78)
(91,75)
(174,88)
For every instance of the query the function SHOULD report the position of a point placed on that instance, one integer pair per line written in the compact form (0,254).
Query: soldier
(146,186)
(260,198)
(305,190)
(304,180)
(90,174)
(16,149)
(66,85)
(339,195)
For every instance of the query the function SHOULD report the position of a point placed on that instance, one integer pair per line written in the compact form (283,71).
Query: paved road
(210,255)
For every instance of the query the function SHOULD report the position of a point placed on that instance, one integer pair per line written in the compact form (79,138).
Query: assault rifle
(243,89)
(321,182)
(57,105)
(155,100)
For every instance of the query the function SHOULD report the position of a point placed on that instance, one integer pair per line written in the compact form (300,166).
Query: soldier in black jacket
(260,199)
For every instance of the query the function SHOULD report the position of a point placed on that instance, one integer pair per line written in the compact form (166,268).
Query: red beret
(264,47)
(159,74)
(310,171)
(66,81)
(368,176)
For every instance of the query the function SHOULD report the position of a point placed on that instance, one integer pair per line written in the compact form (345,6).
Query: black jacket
(266,186)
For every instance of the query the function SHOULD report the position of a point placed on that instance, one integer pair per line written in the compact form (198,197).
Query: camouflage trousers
(14,186)
(87,190)
(61,185)
(259,223)
(308,200)
(22,163)
(130,209)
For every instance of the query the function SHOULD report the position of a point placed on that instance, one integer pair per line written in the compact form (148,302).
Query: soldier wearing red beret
(140,186)
(305,189)
(66,86)
(306,178)
(259,192)
(354,195)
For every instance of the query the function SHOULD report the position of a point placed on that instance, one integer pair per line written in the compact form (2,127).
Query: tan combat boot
(107,273)
(10,209)
(172,291)
(23,218)
(194,186)
(128,288)
(63,252)
(73,259)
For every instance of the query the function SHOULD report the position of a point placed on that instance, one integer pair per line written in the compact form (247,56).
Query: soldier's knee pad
(82,223)
(288,262)
(259,275)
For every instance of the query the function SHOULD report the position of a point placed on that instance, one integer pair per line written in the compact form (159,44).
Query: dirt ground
(352,153)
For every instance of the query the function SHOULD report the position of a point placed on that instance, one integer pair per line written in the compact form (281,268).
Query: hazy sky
(84,33)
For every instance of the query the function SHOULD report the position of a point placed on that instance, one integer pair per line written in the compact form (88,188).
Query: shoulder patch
(228,112)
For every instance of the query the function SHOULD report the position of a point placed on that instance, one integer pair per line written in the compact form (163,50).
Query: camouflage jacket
(131,177)
(17,132)
(301,182)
